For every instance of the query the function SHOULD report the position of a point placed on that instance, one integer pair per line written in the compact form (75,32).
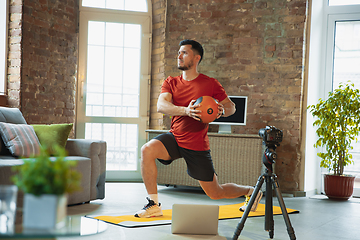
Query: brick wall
(43,41)
(157,60)
(14,55)
(255,49)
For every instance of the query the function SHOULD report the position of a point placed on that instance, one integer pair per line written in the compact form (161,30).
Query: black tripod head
(269,157)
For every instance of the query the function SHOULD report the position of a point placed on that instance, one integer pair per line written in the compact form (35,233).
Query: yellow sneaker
(151,209)
(256,202)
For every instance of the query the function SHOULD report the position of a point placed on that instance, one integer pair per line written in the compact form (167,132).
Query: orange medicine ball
(208,107)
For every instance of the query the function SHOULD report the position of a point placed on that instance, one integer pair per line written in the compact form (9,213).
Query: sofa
(89,154)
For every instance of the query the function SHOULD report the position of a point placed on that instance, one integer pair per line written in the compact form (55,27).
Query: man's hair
(195,46)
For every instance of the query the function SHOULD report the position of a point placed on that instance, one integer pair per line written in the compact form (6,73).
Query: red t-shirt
(190,133)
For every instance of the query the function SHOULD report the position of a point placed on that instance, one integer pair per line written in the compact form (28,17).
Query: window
(128,5)
(343,59)
(334,57)
(114,74)
(346,59)
(333,47)
(346,62)
(113,68)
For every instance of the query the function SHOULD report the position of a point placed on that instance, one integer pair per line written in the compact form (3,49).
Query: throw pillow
(53,134)
(20,139)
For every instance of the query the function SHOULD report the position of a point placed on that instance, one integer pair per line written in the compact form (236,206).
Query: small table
(74,226)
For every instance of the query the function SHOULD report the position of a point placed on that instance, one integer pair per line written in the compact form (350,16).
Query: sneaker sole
(256,202)
(136,215)
(150,216)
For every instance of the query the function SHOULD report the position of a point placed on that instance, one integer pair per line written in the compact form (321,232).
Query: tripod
(270,178)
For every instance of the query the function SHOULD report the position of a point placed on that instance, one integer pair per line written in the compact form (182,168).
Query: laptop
(195,219)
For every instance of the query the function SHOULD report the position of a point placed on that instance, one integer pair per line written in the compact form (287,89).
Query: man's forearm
(169,108)
(229,109)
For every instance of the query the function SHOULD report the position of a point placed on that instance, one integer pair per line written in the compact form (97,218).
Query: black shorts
(199,163)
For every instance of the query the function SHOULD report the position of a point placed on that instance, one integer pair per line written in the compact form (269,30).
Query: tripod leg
(269,220)
(240,225)
(283,209)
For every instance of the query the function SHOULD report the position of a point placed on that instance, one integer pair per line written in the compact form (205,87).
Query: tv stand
(224,129)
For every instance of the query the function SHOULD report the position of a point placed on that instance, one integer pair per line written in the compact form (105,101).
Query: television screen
(238,118)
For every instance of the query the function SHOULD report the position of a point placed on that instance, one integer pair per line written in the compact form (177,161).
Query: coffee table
(74,226)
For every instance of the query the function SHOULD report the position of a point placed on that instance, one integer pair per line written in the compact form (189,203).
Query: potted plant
(46,181)
(338,124)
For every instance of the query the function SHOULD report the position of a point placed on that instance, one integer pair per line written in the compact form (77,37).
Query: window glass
(128,5)
(113,69)
(347,53)
(121,142)
(3,44)
(346,67)
(343,2)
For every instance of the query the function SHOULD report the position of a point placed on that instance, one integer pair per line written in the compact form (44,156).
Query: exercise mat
(225,212)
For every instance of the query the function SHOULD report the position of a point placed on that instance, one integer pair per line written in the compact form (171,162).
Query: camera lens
(262,132)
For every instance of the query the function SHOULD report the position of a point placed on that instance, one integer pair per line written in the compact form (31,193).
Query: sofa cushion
(9,115)
(20,139)
(54,134)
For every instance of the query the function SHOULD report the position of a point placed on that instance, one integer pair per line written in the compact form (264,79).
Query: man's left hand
(220,110)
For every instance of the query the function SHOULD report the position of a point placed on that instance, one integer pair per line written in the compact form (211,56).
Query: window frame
(330,42)
(336,14)
(4,49)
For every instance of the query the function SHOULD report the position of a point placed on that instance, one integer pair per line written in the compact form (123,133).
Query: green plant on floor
(44,175)
(338,124)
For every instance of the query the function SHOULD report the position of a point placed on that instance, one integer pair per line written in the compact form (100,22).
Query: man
(188,135)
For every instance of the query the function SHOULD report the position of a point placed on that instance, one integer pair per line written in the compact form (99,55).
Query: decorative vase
(338,187)
(45,211)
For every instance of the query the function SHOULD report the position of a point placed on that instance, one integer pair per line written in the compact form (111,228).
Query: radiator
(236,158)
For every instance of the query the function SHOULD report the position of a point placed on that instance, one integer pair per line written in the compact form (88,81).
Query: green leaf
(338,125)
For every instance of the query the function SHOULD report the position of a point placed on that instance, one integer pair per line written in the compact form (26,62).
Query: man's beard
(186,67)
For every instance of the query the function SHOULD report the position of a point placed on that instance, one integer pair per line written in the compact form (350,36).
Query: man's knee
(147,152)
(152,150)
(145,148)
(214,195)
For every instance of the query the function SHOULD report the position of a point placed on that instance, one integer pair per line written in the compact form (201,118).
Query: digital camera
(271,135)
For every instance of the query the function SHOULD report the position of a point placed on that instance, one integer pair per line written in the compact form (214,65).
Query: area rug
(225,212)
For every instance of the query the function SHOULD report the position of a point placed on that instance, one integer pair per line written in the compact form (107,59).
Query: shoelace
(150,203)
(247,199)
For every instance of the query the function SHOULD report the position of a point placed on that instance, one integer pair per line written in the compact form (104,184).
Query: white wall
(315,90)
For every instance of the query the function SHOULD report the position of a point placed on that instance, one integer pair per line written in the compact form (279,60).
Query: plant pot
(338,187)
(45,211)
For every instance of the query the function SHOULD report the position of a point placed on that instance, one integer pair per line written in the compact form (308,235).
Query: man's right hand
(191,111)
